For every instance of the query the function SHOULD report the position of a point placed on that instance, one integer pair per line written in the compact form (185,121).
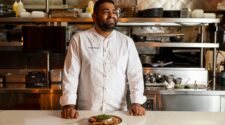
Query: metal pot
(160,78)
(169,78)
(137,38)
(146,60)
(177,80)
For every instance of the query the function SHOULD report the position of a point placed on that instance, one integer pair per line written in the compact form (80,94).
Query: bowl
(177,80)
(177,38)
(138,38)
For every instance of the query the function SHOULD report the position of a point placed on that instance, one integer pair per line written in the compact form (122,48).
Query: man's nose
(110,14)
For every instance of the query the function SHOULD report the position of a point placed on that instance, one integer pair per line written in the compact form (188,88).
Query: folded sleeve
(135,75)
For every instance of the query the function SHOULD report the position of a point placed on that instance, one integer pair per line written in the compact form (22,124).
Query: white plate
(117,122)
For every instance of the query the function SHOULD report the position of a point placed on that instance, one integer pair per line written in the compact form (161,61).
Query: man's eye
(106,12)
(115,12)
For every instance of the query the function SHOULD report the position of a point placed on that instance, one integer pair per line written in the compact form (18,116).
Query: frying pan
(153,12)
(161,64)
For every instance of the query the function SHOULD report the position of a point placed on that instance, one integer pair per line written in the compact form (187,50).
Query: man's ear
(94,17)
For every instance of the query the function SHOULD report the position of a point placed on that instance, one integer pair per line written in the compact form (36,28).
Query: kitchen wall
(141,4)
(178,4)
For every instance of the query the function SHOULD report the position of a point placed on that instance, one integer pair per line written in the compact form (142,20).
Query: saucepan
(146,60)
(138,38)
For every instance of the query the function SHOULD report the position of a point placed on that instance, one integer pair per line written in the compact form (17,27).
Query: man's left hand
(136,109)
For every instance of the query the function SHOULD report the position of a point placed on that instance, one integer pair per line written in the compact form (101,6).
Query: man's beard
(106,26)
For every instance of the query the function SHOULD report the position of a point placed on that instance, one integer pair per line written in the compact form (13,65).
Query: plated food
(104,119)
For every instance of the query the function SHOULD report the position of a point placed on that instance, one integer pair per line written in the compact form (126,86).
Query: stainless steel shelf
(41,7)
(155,84)
(30,90)
(161,34)
(7,44)
(122,21)
(166,21)
(11,46)
(186,45)
(43,20)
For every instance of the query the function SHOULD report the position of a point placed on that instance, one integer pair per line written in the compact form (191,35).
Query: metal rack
(140,22)
(161,22)
(122,21)
(181,45)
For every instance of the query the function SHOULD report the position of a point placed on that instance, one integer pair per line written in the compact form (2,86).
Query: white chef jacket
(97,71)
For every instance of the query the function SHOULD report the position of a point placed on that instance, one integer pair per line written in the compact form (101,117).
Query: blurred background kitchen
(33,70)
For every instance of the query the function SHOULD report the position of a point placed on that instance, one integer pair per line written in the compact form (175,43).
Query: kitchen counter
(219,91)
(172,100)
(40,117)
(186,92)
(187,100)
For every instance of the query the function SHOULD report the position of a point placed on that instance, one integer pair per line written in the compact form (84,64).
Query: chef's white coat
(97,71)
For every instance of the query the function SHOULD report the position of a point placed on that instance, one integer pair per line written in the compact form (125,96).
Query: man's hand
(136,109)
(69,111)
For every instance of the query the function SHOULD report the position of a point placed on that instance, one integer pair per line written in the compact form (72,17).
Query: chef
(100,65)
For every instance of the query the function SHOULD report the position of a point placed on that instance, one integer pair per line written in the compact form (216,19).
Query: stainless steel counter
(187,100)
(43,20)
(168,100)
(186,92)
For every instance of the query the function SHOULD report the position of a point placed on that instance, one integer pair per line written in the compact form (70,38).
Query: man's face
(106,18)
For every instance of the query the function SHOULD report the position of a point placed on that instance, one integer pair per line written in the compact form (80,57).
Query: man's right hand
(69,111)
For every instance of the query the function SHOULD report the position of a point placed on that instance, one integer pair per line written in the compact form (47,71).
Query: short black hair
(99,2)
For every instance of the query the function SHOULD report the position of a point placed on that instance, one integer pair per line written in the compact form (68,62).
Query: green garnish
(103,117)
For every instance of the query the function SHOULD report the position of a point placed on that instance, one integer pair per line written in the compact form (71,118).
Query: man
(100,63)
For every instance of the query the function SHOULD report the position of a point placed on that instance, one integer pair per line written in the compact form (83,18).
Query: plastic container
(197,13)
(20,8)
(90,7)
(15,6)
